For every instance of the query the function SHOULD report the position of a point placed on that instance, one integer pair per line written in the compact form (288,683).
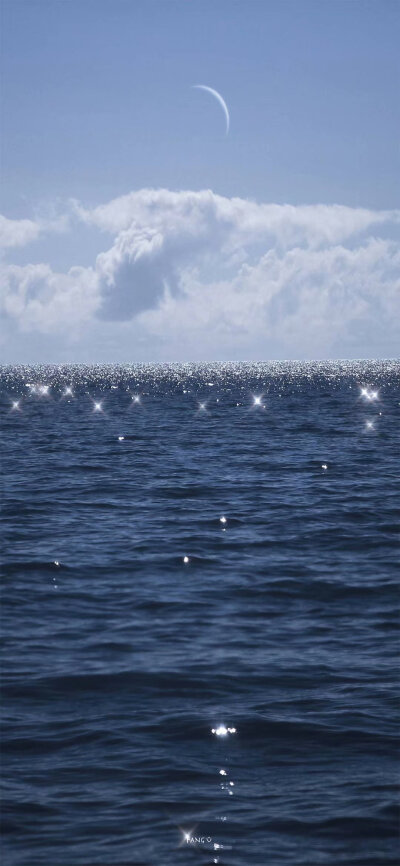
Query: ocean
(199,614)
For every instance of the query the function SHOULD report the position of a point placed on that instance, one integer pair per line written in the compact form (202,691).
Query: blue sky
(98,104)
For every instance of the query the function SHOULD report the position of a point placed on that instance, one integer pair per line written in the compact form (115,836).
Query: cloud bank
(197,275)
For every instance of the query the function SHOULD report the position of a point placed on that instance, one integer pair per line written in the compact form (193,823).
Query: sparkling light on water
(348,424)
(367,394)
(222,731)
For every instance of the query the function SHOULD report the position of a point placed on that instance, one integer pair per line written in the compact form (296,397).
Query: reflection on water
(213,680)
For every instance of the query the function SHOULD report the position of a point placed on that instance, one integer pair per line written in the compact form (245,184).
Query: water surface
(121,657)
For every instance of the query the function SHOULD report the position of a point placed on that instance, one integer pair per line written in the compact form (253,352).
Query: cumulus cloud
(300,303)
(196,271)
(161,234)
(41,300)
(201,212)
(17,233)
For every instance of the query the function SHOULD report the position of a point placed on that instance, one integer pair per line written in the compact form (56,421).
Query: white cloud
(187,212)
(17,233)
(44,301)
(300,303)
(201,274)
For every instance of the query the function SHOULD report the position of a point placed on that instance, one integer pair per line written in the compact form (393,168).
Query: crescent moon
(219,99)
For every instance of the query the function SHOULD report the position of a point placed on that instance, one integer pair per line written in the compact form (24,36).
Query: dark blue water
(120,658)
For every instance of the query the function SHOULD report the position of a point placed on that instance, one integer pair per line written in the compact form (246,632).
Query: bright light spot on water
(56,562)
(222,772)
(257,401)
(187,836)
(222,519)
(98,407)
(136,398)
(186,560)
(121,438)
(368,394)
(68,392)
(369,425)
(324,466)
(44,390)
(222,731)
(202,407)
(15,406)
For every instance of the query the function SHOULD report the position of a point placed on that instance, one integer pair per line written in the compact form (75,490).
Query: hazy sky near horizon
(135,229)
